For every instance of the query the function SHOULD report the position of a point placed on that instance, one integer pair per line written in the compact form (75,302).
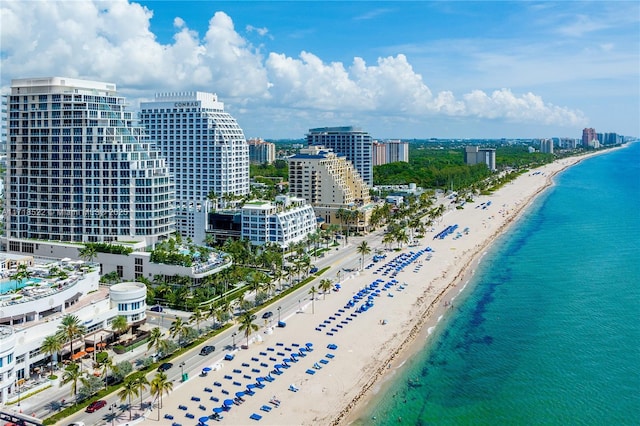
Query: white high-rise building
(397,151)
(353,143)
(546,146)
(206,151)
(78,169)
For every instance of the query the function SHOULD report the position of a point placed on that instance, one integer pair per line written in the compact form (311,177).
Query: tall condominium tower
(379,156)
(476,155)
(261,152)
(350,142)
(546,146)
(588,137)
(79,170)
(3,123)
(206,151)
(397,151)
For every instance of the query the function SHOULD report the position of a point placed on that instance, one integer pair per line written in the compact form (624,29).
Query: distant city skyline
(398,70)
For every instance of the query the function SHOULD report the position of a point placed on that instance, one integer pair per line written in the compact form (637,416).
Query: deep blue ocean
(548,330)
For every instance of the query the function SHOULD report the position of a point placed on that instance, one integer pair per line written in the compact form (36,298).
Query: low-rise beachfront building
(130,266)
(130,299)
(29,316)
(9,262)
(7,361)
(287,221)
(32,313)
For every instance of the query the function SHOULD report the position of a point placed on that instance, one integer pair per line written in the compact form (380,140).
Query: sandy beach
(334,385)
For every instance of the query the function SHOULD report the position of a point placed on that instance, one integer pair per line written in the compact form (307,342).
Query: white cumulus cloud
(112,41)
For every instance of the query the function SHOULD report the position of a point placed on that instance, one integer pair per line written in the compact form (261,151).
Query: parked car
(253,317)
(267,315)
(206,350)
(157,308)
(313,270)
(96,405)
(165,366)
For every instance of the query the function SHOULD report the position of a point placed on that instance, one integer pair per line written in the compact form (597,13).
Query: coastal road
(345,258)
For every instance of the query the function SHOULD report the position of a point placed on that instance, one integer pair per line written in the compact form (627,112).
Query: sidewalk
(49,401)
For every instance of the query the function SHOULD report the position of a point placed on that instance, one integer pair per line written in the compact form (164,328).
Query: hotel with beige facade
(329,183)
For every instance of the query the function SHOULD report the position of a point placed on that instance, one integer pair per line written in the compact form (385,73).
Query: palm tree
(105,363)
(22,273)
(270,285)
(312,292)
(69,329)
(88,252)
(388,239)
(401,237)
(141,385)
(178,329)
(325,286)
(160,386)
(129,389)
(364,250)
(197,317)
(51,345)
(287,274)
(155,336)
(213,197)
(72,374)
(120,325)
(247,325)
(227,309)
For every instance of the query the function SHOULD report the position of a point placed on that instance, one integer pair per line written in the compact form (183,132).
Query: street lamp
(233,336)
(18,383)
(112,411)
(182,369)
(279,307)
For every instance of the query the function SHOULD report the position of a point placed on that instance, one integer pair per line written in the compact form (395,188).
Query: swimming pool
(10,285)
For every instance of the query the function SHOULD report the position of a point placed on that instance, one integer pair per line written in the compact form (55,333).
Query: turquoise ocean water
(548,331)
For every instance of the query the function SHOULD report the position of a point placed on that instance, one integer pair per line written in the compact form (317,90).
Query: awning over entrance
(98,336)
(78,355)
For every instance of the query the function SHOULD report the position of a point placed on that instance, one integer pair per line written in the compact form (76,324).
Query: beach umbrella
(260,379)
(203,419)
(228,402)
(207,369)
(239,394)
(250,386)
(218,410)
(277,366)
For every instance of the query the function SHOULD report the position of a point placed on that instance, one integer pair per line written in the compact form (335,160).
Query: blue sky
(401,69)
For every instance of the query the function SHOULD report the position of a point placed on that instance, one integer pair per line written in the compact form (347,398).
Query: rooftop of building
(340,129)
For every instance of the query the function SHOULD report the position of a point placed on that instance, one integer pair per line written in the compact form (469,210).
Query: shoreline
(420,335)
(373,341)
